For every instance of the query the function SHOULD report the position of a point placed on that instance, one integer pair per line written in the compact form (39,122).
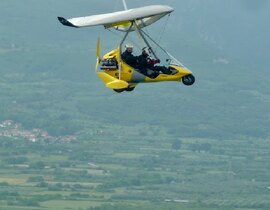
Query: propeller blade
(98,48)
(98,53)
(97,63)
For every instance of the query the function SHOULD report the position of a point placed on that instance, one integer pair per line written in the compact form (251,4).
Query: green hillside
(48,78)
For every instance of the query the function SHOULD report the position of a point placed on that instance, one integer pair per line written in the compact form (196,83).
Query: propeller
(98,53)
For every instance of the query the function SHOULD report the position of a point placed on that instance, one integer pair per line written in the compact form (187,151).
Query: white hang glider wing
(121,20)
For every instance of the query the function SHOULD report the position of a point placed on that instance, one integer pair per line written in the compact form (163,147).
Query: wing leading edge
(121,20)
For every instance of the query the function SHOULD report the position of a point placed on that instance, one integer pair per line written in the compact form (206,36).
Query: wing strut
(121,48)
(140,35)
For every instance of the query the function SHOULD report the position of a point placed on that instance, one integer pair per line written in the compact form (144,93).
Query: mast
(142,37)
(125,4)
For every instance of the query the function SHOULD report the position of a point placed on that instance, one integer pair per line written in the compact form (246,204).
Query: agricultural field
(109,171)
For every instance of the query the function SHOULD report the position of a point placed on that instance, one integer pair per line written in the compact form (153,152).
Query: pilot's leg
(165,70)
(162,69)
(152,73)
(143,71)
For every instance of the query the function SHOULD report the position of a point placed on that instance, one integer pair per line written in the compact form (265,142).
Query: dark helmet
(145,51)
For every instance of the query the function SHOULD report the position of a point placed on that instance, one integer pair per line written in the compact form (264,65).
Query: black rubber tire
(119,90)
(130,89)
(188,79)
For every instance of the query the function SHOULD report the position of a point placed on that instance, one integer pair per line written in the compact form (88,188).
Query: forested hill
(48,80)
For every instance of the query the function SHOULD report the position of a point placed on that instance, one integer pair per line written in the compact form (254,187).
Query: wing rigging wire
(121,36)
(161,33)
(162,30)
(172,58)
(116,5)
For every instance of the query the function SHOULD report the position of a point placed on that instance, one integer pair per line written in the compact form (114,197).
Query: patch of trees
(4,184)
(176,144)
(6,195)
(206,147)
(16,160)
(35,179)
(37,165)
(71,175)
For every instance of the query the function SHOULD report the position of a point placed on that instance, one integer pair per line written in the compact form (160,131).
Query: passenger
(128,57)
(146,63)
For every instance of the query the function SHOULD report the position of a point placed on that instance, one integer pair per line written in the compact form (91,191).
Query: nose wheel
(188,79)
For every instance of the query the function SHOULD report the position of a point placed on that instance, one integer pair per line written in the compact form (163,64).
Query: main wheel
(188,79)
(119,90)
(125,89)
(130,89)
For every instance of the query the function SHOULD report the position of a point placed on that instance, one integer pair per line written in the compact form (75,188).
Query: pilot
(128,57)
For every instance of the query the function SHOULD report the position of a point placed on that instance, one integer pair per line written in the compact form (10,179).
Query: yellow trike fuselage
(121,75)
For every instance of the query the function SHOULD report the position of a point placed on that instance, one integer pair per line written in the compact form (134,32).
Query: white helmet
(129,46)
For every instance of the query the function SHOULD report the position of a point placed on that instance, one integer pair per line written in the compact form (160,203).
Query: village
(11,129)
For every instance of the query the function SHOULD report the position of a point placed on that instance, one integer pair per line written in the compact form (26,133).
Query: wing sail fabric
(144,16)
